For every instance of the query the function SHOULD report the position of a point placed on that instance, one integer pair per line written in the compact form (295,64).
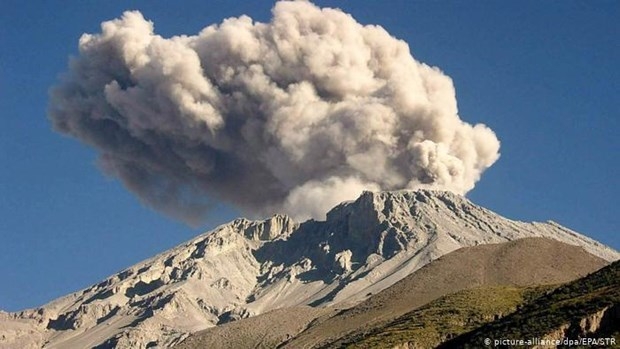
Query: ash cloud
(290,116)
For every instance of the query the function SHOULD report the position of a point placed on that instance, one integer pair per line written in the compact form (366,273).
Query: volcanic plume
(289,116)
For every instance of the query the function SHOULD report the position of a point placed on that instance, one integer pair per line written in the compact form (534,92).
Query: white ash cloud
(290,116)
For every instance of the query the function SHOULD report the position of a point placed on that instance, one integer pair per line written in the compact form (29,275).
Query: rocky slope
(246,268)
(265,331)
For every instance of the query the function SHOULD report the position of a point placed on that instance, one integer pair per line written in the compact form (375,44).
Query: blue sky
(543,75)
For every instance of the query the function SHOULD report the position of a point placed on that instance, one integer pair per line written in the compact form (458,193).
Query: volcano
(246,268)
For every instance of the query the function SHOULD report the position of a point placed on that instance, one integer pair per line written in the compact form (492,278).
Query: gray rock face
(245,268)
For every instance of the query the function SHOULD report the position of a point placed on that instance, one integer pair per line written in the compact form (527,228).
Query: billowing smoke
(290,116)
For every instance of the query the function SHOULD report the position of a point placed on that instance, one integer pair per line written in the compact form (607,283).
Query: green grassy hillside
(446,317)
(566,312)
(589,306)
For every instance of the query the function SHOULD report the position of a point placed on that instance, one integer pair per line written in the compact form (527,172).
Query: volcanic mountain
(245,268)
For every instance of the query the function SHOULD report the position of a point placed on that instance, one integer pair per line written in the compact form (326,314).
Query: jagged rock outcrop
(600,324)
(247,267)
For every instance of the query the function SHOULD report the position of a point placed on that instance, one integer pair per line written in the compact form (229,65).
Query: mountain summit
(245,268)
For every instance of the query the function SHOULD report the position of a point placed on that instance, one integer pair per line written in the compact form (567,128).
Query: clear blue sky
(543,75)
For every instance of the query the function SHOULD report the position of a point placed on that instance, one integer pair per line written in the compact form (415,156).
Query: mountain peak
(385,201)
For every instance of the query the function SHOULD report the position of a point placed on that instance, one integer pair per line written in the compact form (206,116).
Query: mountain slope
(262,331)
(529,261)
(523,262)
(446,317)
(246,268)
(588,307)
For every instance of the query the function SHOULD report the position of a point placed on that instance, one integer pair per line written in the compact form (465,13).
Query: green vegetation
(447,317)
(566,306)
(465,318)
